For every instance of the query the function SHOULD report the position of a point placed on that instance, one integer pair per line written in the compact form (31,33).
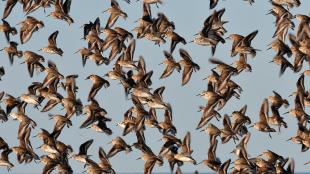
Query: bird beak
(39,147)
(286,112)
(199,162)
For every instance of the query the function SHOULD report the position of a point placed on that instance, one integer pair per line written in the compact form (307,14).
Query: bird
(118,145)
(82,155)
(10,4)
(6,28)
(188,66)
(12,51)
(52,45)
(262,124)
(28,27)
(98,82)
(115,12)
(186,152)
(62,10)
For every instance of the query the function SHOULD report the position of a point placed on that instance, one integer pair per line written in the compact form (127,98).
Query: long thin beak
(138,158)
(269,12)
(39,147)
(286,112)
(199,162)
(270,61)
(19,23)
(251,126)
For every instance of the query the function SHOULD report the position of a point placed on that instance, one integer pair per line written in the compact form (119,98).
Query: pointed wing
(186,144)
(94,89)
(141,64)
(184,54)
(66,6)
(264,110)
(227,122)
(8,8)
(167,72)
(52,38)
(113,151)
(84,147)
(248,39)
(187,73)
(243,109)
(158,93)
(148,166)
(130,51)
(103,157)
(112,19)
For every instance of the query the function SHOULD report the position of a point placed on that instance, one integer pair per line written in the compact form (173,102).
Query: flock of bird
(136,79)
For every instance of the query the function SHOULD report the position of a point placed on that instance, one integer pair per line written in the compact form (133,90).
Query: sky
(188,17)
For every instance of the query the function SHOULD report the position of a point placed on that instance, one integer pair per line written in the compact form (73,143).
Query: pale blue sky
(188,16)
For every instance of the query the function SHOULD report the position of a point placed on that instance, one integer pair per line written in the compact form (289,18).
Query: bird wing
(84,147)
(52,38)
